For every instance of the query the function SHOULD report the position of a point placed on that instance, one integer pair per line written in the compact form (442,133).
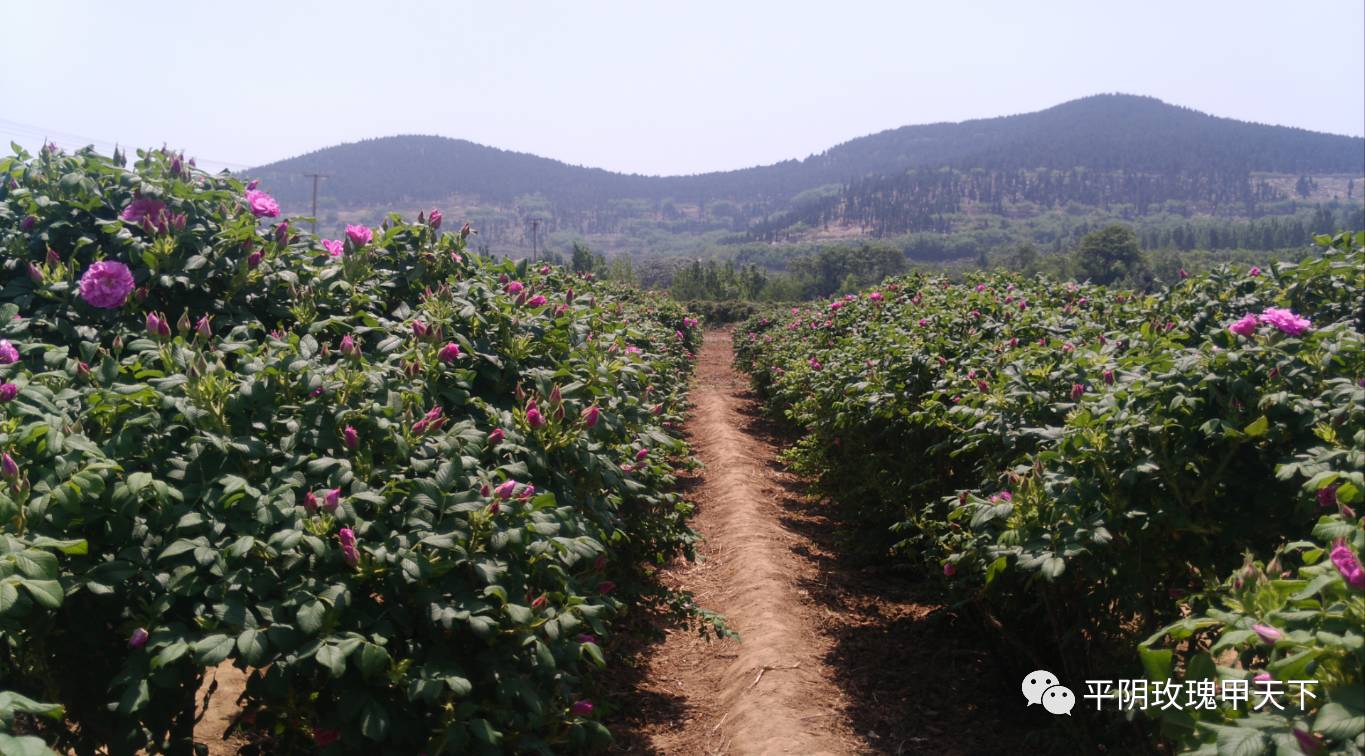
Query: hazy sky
(647,86)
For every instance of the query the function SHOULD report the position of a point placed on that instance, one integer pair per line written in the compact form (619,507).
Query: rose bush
(363,471)
(1073,462)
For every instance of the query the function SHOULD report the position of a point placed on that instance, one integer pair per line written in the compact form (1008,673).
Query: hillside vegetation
(1118,156)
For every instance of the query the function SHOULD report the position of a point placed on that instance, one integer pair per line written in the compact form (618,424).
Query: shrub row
(404,486)
(1082,466)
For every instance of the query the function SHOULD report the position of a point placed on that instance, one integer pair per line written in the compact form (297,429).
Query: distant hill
(1095,151)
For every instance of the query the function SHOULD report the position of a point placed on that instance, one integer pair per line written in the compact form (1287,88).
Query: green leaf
(25,745)
(134,698)
(1257,427)
(46,592)
(252,645)
(331,658)
(484,732)
(213,649)
(8,596)
(310,616)
(374,720)
(1241,741)
(179,547)
(1156,662)
(1342,718)
(170,654)
(373,660)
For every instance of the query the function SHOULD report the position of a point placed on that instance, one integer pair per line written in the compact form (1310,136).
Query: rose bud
(350,438)
(449,353)
(138,639)
(9,469)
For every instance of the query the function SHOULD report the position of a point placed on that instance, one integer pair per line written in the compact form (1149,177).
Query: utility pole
(315,177)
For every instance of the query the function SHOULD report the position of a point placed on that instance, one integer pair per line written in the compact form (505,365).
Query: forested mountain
(1103,133)
(1106,151)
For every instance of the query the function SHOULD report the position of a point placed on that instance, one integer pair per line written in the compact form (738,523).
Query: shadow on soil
(919,677)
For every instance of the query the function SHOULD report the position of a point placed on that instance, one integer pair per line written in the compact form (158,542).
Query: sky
(645,86)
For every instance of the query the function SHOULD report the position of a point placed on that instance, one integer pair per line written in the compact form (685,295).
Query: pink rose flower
(359,235)
(8,354)
(262,205)
(1286,321)
(1348,565)
(1246,326)
(106,284)
(334,247)
(347,539)
(145,212)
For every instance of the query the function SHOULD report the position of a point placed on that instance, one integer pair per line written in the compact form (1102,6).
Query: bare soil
(834,657)
(218,710)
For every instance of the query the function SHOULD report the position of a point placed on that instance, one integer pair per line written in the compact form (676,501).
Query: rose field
(419,499)
(1165,485)
(407,487)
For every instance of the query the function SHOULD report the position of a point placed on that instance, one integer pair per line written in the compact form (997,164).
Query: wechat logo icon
(1042,687)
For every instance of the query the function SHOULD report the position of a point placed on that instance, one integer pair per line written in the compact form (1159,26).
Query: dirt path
(835,657)
(772,692)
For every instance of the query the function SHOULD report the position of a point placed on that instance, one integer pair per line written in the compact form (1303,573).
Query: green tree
(621,270)
(583,259)
(1025,258)
(1111,254)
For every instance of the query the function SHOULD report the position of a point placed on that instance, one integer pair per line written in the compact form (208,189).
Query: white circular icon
(1059,700)
(1035,683)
